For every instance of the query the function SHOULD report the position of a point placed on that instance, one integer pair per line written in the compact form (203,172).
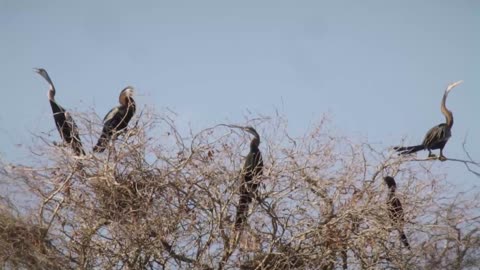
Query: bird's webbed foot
(442,158)
(431,155)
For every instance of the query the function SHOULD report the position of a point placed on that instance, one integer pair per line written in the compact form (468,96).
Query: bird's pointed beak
(37,70)
(231,126)
(453,85)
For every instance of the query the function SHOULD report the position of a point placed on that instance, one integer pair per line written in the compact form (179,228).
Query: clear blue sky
(378,67)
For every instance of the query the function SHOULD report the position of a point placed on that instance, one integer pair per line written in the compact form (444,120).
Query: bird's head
(44,74)
(256,141)
(126,95)
(41,71)
(390,182)
(128,91)
(248,129)
(452,85)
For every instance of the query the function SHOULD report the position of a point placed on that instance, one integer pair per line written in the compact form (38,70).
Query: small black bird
(252,168)
(437,137)
(117,118)
(63,120)
(395,210)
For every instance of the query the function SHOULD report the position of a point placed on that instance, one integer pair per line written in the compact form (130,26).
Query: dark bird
(437,136)
(252,168)
(395,210)
(117,118)
(63,120)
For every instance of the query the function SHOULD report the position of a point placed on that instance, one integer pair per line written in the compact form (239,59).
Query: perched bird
(117,118)
(252,168)
(395,210)
(63,120)
(437,136)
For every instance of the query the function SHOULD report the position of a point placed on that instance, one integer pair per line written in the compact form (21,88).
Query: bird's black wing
(56,108)
(118,118)
(66,127)
(397,216)
(59,118)
(110,122)
(113,118)
(258,170)
(253,165)
(436,135)
(75,141)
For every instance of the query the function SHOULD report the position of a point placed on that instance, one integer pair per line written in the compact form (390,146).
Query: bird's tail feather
(101,144)
(78,149)
(242,210)
(405,150)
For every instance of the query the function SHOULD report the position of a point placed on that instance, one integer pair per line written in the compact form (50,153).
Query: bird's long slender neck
(51,93)
(131,102)
(391,192)
(448,114)
(127,100)
(254,144)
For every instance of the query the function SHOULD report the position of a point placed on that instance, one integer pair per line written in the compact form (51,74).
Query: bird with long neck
(438,136)
(443,107)
(252,168)
(117,118)
(395,209)
(63,120)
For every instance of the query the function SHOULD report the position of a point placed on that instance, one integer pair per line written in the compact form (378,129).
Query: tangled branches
(162,199)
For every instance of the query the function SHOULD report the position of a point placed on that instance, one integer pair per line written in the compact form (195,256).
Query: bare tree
(158,198)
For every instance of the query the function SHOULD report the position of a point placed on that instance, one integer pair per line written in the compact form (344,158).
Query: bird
(252,168)
(117,118)
(63,120)
(395,209)
(438,136)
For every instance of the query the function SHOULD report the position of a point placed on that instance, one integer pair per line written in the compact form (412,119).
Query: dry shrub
(24,244)
(159,198)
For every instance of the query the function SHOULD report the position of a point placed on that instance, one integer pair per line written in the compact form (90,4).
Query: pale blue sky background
(378,67)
